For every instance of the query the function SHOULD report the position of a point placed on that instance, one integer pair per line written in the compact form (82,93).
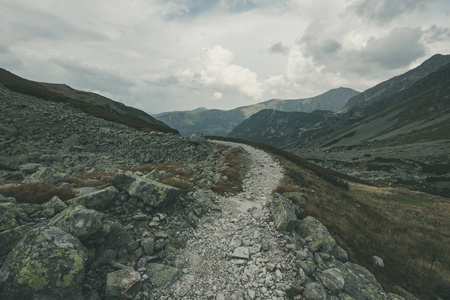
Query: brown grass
(235,167)
(36,193)
(89,179)
(409,230)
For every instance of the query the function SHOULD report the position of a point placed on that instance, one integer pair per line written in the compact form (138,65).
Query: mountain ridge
(88,102)
(221,122)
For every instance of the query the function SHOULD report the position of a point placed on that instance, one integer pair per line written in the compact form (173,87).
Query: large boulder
(98,200)
(284,213)
(152,193)
(321,240)
(314,291)
(47,263)
(122,284)
(79,221)
(361,284)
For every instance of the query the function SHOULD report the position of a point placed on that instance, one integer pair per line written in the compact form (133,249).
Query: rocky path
(237,253)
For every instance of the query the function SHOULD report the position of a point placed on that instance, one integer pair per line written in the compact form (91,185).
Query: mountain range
(221,122)
(398,127)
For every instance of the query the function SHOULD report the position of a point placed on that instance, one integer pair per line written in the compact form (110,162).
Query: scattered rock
(162,275)
(98,200)
(123,284)
(283,212)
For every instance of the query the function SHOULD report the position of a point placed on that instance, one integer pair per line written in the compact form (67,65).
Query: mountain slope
(219,122)
(280,128)
(90,103)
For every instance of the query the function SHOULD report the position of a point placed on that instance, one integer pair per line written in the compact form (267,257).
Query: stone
(197,139)
(206,200)
(152,193)
(9,238)
(332,279)
(162,275)
(311,227)
(47,263)
(79,221)
(148,244)
(118,238)
(98,200)
(283,213)
(45,175)
(360,283)
(314,291)
(241,253)
(182,289)
(29,168)
(57,204)
(123,284)
(10,215)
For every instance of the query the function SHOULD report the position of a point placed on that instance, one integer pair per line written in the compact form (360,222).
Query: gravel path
(237,253)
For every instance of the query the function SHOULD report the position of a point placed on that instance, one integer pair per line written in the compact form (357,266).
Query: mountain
(90,103)
(280,128)
(220,122)
(386,135)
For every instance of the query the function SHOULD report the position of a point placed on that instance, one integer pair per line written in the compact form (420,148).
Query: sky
(171,55)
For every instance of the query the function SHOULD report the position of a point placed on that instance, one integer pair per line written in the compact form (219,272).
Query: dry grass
(36,193)
(235,167)
(409,230)
(89,179)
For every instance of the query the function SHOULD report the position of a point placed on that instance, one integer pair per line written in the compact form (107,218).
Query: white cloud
(214,68)
(218,96)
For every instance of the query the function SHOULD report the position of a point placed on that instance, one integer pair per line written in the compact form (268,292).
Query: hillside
(280,128)
(90,103)
(220,122)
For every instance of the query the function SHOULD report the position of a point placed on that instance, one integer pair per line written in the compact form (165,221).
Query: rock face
(46,263)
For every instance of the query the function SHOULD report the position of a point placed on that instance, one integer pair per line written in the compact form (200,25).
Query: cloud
(278,48)
(8,59)
(92,77)
(437,34)
(218,96)
(215,69)
(384,11)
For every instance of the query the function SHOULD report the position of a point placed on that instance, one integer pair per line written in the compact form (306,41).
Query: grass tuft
(36,193)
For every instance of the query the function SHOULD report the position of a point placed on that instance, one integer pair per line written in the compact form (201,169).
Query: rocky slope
(136,238)
(220,123)
(90,103)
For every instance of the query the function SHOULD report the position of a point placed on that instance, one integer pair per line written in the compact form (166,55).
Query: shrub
(37,193)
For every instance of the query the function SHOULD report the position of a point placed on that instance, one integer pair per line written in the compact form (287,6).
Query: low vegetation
(92,179)
(235,167)
(36,193)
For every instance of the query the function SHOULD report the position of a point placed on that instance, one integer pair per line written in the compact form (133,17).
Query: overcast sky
(182,54)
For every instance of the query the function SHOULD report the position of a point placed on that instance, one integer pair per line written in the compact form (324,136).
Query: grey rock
(123,284)
(10,214)
(162,275)
(311,227)
(45,175)
(9,238)
(197,139)
(283,213)
(314,291)
(332,279)
(152,193)
(79,221)
(241,253)
(98,200)
(47,263)
(148,244)
(360,283)
(118,238)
